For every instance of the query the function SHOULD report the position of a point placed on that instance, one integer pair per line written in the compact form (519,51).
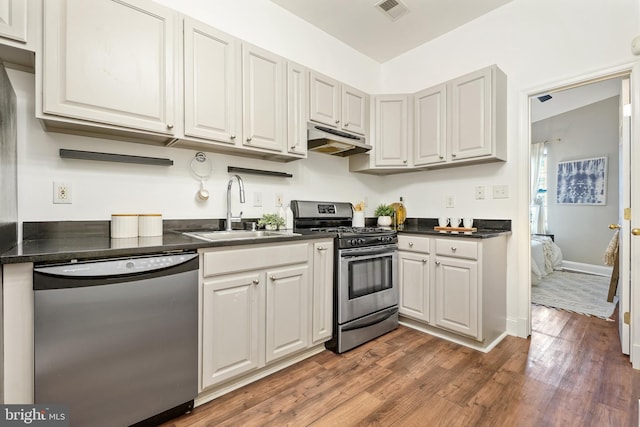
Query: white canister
(149,225)
(358,219)
(124,226)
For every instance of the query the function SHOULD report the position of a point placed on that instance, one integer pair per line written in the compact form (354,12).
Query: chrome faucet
(231,218)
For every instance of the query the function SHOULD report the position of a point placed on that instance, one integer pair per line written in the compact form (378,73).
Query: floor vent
(392,9)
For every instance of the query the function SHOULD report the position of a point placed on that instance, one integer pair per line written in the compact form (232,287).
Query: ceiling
(363,26)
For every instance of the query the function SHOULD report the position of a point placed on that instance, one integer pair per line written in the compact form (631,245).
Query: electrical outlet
(257,199)
(501,191)
(449,202)
(61,192)
(279,199)
(480,192)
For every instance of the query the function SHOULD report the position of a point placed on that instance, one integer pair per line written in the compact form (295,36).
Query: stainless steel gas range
(365,272)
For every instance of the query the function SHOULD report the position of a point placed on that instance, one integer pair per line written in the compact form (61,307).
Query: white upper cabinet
(337,105)
(263,99)
(296,102)
(430,126)
(211,83)
(355,110)
(478,115)
(391,139)
(13,19)
(110,62)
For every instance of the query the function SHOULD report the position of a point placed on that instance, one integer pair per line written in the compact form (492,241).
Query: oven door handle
(373,253)
(380,317)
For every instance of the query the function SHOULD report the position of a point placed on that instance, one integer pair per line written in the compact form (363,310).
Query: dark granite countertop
(486,228)
(85,240)
(62,241)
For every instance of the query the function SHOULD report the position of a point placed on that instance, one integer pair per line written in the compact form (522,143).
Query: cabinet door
(110,62)
(211,83)
(231,320)
(297,109)
(324,100)
(392,122)
(355,110)
(263,99)
(13,19)
(456,295)
(430,126)
(287,320)
(414,285)
(471,115)
(322,321)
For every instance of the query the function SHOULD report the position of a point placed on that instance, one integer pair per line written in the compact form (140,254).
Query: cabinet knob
(249,139)
(346,124)
(337,121)
(273,278)
(424,261)
(232,137)
(453,154)
(169,126)
(635,231)
(453,248)
(441,157)
(256,281)
(411,244)
(437,262)
(322,248)
(404,161)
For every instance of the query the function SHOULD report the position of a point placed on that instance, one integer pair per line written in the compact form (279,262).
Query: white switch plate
(61,192)
(279,199)
(257,199)
(501,191)
(449,202)
(480,192)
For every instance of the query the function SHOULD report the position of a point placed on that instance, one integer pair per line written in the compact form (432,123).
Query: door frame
(523,323)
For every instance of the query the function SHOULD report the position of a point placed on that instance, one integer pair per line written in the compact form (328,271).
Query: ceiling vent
(392,9)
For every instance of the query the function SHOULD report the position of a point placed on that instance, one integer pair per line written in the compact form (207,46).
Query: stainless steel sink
(215,236)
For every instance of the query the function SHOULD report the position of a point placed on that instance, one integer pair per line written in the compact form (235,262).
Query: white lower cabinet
(456,295)
(262,304)
(287,311)
(455,284)
(414,274)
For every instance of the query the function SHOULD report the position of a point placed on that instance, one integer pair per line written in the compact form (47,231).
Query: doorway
(572,126)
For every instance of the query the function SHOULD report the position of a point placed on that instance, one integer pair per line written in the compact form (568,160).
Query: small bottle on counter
(289,218)
(400,213)
(282,213)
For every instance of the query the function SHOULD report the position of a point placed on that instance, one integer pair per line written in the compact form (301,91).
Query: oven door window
(369,276)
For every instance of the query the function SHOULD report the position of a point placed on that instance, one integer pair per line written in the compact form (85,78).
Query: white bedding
(546,257)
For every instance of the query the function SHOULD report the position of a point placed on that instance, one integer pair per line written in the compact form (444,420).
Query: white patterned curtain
(538,211)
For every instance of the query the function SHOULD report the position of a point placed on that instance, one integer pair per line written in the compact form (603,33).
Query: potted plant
(384,213)
(271,221)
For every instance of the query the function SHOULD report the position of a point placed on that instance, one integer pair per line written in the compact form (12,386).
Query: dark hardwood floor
(571,372)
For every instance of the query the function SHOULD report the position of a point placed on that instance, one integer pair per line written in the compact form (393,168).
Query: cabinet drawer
(457,248)
(414,243)
(238,259)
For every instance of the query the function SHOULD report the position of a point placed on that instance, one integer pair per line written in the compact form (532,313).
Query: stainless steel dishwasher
(116,340)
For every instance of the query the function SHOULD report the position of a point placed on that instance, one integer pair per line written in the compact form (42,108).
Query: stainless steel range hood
(335,142)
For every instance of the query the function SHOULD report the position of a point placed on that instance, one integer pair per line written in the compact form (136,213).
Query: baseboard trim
(599,270)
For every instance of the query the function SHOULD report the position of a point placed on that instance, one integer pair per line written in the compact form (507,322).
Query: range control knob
(360,241)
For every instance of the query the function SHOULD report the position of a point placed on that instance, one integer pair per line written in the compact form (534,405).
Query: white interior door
(633,221)
(624,285)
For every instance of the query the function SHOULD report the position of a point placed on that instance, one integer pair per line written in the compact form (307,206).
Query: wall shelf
(109,157)
(258,172)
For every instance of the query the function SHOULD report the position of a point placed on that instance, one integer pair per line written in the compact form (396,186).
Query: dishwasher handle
(103,272)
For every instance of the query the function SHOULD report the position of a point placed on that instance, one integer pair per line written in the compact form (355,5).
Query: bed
(546,257)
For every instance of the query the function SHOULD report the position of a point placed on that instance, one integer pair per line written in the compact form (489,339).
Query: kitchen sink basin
(214,236)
